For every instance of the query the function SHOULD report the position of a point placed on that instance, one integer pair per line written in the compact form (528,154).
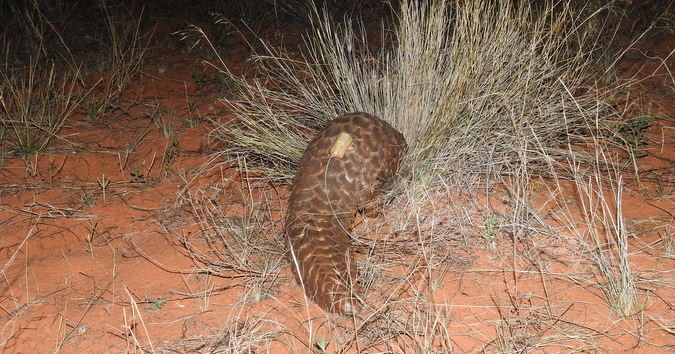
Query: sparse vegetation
(103,184)
(154,304)
(245,244)
(199,75)
(490,235)
(35,103)
(510,228)
(123,57)
(606,237)
(138,178)
(164,124)
(88,198)
(171,154)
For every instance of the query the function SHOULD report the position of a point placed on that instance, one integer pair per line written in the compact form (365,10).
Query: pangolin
(328,189)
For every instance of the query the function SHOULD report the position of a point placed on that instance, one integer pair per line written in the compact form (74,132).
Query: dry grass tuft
(472,94)
(35,103)
(121,59)
(238,236)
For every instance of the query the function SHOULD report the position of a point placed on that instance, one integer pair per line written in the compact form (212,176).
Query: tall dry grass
(35,103)
(471,86)
(602,235)
(121,59)
(40,81)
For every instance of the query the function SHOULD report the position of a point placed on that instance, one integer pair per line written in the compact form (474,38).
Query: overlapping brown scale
(324,200)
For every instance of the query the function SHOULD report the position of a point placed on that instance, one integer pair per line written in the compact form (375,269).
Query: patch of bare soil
(95,237)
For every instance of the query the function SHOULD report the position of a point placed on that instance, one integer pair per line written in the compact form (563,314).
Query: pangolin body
(327,192)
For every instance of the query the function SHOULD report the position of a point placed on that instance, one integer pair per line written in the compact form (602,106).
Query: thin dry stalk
(235,242)
(128,47)
(202,297)
(17,309)
(606,236)
(130,324)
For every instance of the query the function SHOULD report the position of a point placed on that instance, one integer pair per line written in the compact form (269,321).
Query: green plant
(321,345)
(156,116)
(490,235)
(200,78)
(171,155)
(138,178)
(193,119)
(88,198)
(154,303)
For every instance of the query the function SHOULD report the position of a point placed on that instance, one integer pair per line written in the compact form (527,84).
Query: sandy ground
(92,260)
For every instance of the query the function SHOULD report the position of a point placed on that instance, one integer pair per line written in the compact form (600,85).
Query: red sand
(79,277)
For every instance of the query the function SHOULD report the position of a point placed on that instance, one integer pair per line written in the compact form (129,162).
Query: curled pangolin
(327,191)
